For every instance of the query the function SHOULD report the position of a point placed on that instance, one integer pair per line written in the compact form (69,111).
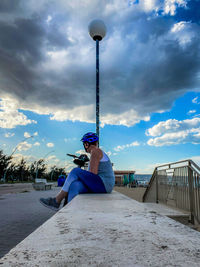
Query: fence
(176,184)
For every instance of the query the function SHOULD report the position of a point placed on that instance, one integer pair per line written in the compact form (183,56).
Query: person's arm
(96,155)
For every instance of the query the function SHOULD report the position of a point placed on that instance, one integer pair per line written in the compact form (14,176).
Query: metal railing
(176,184)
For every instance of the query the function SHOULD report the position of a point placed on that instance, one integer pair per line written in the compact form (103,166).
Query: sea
(143,178)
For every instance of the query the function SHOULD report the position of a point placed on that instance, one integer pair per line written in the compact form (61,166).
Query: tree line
(23,171)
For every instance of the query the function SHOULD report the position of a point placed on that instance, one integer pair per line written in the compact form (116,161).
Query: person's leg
(72,176)
(60,196)
(77,187)
(91,180)
(54,203)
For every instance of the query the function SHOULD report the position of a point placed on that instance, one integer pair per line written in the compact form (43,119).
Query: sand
(134,193)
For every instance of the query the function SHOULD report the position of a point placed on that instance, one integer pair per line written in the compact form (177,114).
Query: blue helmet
(90,137)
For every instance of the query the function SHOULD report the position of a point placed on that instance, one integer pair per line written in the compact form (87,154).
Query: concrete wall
(108,230)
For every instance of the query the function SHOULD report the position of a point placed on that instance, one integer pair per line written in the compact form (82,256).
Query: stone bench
(108,230)
(41,184)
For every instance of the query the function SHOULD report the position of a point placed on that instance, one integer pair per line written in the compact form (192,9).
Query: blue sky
(149,80)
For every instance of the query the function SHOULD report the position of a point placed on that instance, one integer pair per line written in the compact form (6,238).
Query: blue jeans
(80,181)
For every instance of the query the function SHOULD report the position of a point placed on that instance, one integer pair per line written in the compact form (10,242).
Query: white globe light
(97,29)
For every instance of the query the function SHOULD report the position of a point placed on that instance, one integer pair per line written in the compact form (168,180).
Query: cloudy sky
(149,80)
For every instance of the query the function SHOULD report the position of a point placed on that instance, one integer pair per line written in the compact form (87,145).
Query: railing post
(156,185)
(191,192)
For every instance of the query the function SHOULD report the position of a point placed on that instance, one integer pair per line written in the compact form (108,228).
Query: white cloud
(35,134)
(81,151)
(178,26)
(50,161)
(54,161)
(148,168)
(49,18)
(148,5)
(172,132)
(170,6)
(128,118)
(36,144)
(17,157)
(80,113)
(192,111)
(168,139)
(167,6)
(130,92)
(10,117)
(7,135)
(195,100)
(183,32)
(27,135)
(173,125)
(24,146)
(119,148)
(57,60)
(52,157)
(86,114)
(69,139)
(69,165)
(50,144)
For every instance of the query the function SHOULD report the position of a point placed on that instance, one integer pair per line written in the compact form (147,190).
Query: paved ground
(21,213)
(107,230)
(137,194)
(15,188)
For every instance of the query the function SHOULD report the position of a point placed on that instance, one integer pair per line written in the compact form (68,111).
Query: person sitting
(98,179)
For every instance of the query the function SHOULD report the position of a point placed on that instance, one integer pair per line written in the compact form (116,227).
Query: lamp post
(52,172)
(97,31)
(14,150)
(36,172)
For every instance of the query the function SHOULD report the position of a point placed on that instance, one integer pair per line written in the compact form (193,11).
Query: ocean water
(143,177)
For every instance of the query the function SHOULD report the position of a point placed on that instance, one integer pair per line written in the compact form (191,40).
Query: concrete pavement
(107,230)
(20,214)
(15,188)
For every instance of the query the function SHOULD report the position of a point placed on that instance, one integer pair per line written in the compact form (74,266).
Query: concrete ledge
(107,230)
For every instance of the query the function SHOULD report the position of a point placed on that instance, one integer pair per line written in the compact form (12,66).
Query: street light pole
(97,87)
(52,172)
(97,31)
(15,149)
